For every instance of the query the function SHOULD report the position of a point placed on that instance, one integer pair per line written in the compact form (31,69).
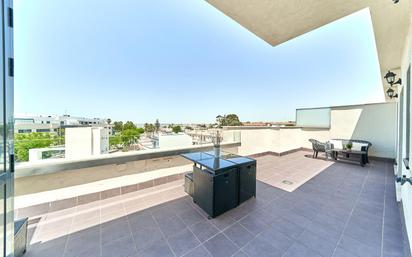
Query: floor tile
(160,248)
(342,253)
(123,247)
(299,250)
(171,225)
(357,248)
(220,246)
(223,221)
(199,251)
(191,216)
(288,228)
(147,237)
(238,234)
(317,244)
(276,239)
(116,229)
(253,225)
(260,248)
(182,242)
(141,220)
(240,254)
(204,230)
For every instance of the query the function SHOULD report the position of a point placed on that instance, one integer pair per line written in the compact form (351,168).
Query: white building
(87,141)
(50,123)
(166,140)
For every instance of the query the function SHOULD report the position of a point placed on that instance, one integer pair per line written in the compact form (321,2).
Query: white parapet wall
(375,123)
(55,174)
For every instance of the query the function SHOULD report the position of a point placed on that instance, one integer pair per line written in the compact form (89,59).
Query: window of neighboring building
(48,122)
(42,130)
(23,121)
(24,131)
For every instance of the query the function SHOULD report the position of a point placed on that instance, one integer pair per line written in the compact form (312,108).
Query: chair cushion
(337,144)
(358,146)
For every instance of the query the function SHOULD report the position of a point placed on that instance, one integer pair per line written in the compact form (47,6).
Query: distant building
(268,123)
(39,123)
(166,140)
(86,141)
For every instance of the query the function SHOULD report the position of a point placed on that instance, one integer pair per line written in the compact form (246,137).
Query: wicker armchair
(319,147)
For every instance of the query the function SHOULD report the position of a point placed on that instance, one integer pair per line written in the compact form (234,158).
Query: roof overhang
(277,21)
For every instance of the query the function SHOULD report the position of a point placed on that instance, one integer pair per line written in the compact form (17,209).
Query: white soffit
(277,21)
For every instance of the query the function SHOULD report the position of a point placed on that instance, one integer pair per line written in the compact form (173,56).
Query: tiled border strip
(384,159)
(279,154)
(39,209)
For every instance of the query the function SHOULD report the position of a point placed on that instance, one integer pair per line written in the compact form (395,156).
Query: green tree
(129,125)
(149,128)
(232,120)
(118,126)
(129,136)
(177,129)
(219,119)
(24,142)
(228,120)
(188,128)
(115,141)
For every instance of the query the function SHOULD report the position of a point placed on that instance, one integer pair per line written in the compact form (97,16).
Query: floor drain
(287,182)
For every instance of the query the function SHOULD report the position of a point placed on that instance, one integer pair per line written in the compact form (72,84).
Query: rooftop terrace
(340,210)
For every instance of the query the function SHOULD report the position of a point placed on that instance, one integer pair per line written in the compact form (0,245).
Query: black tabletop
(213,163)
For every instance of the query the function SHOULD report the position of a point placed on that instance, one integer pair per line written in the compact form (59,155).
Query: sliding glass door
(6,133)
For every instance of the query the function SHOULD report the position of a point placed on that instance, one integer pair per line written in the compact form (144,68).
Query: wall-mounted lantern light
(391,93)
(390,78)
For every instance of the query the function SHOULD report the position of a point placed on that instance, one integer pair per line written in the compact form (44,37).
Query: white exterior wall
(373,122)
(78,142)
(84,142)
(257,141)
(289,139)
(405,191)
(100,141)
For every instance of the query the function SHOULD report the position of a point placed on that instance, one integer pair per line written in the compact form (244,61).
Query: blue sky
(182,61)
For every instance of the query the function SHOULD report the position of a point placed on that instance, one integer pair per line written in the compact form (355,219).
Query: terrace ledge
(57,165)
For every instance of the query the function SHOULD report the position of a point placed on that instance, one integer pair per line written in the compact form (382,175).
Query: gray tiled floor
(344,211)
